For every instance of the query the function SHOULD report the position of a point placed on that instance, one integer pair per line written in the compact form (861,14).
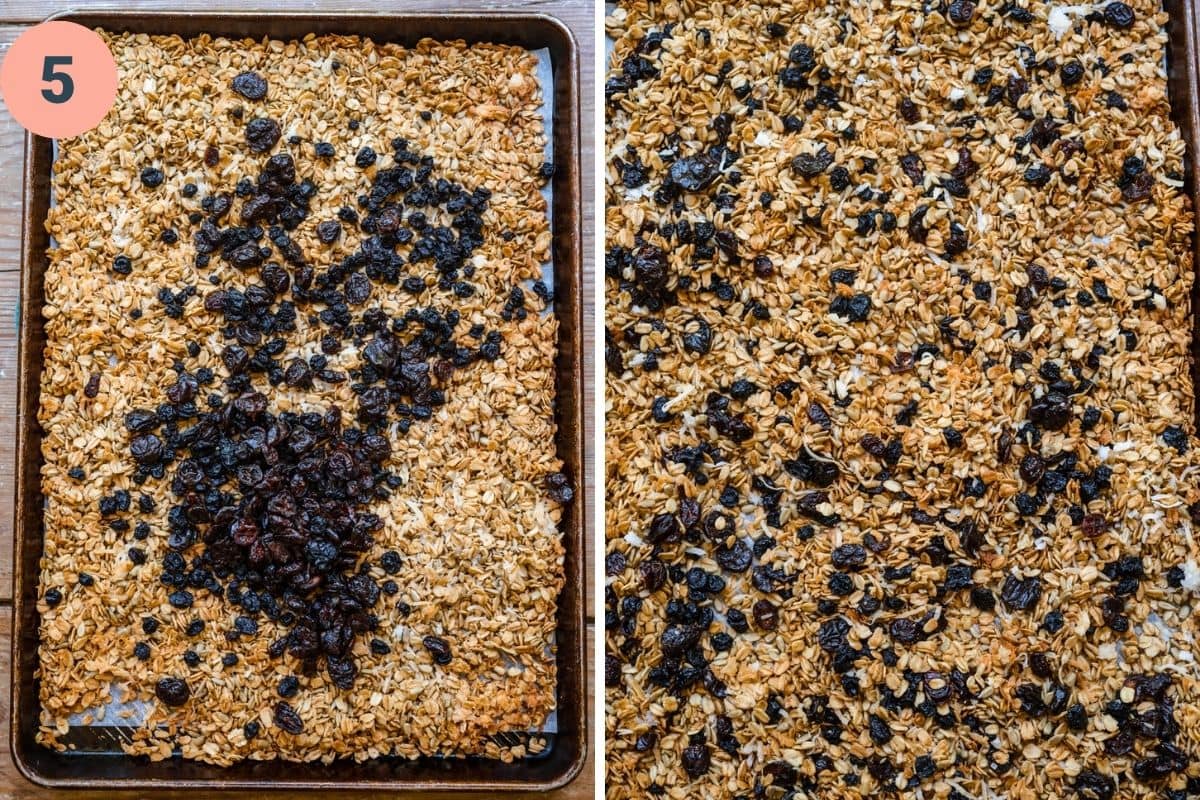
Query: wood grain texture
(15,15)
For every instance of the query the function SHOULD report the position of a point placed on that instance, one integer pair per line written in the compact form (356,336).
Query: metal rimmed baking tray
(103,767)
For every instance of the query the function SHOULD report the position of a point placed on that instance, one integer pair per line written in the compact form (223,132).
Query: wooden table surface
(15,15)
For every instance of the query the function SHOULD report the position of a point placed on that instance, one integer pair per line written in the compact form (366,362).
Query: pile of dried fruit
(901,476)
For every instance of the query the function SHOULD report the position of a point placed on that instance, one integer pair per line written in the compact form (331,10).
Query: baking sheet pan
(98,762)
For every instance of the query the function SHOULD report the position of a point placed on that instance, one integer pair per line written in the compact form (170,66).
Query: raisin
(172,691)
(766,615)
(261,134)
(438,648)
(287,720)
(250,85)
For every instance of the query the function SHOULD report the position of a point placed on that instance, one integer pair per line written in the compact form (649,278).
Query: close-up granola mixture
(302,493)
(901,467)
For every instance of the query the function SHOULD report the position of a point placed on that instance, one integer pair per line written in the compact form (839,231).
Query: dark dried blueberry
(849,557)
(1091,785)
(1032,468)
(961,12)
(147,449)
(250,85)
(152,177)
(696,760)
(1051,411)
(1176,437)
(1071,73)
(694,173)
(172,691)
(905,631)
(653,573)
(983,599)
(261,134)
(141,651)
(1118,15)
(1020,594)
(678,639)
(735,558)
(364,158)
(812,164)
(288,686)
(558,488)
(329,231)
(1093,525)
(612,670)
(700,340)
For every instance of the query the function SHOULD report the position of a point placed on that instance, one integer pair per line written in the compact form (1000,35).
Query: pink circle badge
(58,79)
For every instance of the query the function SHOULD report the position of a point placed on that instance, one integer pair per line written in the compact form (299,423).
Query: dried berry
(766,615)
(811,165)
(961,12)
(1118,15)
(329,231)
(152,177)
(287,720)
(1021,594)
(261,134)
(172,691)
(696,760)
(438,648)
(693,174)
(250,85)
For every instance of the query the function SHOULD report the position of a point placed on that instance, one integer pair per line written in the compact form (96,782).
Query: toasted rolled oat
(898,298)
(254,320)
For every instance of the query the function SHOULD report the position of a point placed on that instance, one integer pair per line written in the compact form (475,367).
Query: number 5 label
(58,79)
(67,86)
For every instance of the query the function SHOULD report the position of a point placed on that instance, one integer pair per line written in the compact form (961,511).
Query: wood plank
(577,14)
(9,289)
(14,787)
(12,164)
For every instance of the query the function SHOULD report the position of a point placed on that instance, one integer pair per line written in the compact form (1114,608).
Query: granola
(901,465)
(301,491)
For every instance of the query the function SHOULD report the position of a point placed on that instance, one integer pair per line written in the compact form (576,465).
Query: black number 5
(49,75)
